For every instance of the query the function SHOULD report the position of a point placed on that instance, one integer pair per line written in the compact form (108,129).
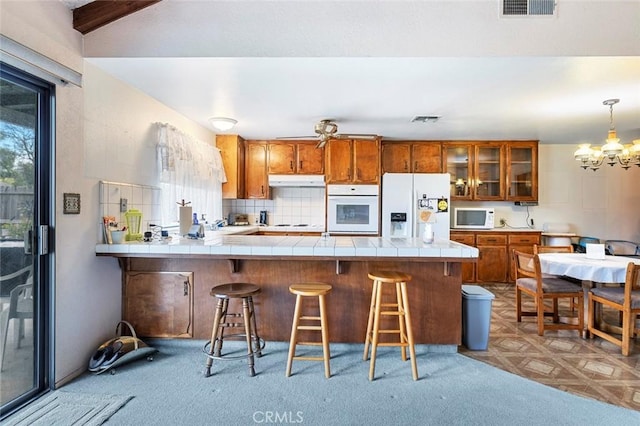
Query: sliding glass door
(26,185)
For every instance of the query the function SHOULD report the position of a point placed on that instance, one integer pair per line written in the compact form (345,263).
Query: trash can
(476,317)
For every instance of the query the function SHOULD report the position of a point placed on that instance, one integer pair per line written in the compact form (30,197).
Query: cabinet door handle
(262,189)
(291,165)
(415,166)
(185,289)
(300,166)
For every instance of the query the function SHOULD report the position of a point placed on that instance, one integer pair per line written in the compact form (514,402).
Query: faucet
(217,224)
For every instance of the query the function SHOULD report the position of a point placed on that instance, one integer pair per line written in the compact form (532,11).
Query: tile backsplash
(291,206)
(140,197)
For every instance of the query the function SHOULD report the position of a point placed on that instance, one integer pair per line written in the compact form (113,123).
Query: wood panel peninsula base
(343,262)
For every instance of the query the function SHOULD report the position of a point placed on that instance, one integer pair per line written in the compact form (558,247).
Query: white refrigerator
(411,201)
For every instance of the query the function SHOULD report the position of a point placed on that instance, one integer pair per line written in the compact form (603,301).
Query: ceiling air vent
(425,119)
(528,7)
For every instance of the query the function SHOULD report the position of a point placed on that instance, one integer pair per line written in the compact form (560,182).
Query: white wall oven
(353,209)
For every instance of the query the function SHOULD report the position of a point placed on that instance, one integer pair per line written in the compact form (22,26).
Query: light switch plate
(70,203)
(123,205)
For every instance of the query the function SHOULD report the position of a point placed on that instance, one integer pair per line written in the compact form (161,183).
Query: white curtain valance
(189,170)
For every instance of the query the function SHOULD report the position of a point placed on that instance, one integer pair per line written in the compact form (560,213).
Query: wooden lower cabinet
(523,243)
(495,248)
(156,305)
(468,269)
(159,304)
(492,258)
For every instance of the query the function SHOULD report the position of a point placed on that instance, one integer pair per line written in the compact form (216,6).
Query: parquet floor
(592,368)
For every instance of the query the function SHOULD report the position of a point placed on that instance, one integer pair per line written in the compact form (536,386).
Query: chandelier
(612,151)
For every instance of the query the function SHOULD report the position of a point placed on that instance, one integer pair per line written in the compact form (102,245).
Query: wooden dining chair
(623,299)
(552,249)
(531,281)
(558,249)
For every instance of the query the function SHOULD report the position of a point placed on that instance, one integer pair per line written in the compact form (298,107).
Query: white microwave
(473,217)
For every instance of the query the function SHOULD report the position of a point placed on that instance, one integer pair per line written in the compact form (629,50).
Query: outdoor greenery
(16,180)
(16,155)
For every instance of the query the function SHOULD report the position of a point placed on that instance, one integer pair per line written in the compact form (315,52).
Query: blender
(133,218)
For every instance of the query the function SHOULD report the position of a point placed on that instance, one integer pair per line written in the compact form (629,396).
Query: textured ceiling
(72,4)
(279,67)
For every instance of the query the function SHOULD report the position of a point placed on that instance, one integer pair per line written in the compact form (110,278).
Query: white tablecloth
(611,269)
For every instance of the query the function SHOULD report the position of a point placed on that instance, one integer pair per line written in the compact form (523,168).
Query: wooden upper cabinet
(338,161)
(477,170)
(426,157)
(522,171)
(411,157)
(256,181)
(295,158)
(232,151)
(489,171)
(310,159)
(396,157)
(282,158)
(366,161)
(457,159)
(352,161)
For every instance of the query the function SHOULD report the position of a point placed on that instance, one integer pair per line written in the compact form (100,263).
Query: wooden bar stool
(247,325)
(399,308)
(318,290)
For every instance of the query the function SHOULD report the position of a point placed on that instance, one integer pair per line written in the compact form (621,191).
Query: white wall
(104,131)
(603,204)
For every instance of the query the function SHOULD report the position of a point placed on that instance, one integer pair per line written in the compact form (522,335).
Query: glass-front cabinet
(458,161)
(488,183)
(522,171)
(476,170)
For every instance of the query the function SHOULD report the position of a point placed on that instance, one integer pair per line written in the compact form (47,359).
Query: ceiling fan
(326,130)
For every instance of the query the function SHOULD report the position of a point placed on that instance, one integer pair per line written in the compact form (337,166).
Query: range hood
(296,180)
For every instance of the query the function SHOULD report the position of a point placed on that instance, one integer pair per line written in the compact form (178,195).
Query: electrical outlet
(503,222)
(123,205)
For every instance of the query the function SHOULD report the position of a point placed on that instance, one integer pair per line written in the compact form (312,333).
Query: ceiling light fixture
(223,123)
(612,151)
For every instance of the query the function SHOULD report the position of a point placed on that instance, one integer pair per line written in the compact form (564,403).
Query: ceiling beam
(98,13)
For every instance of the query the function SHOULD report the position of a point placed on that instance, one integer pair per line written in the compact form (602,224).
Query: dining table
(591,271)
(610,269)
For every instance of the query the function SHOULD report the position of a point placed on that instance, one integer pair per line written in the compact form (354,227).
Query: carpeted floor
(452,389)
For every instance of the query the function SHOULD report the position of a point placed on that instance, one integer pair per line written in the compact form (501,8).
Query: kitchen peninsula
(166,284)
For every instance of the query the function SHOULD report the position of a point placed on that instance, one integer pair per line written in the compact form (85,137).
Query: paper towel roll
(186,219)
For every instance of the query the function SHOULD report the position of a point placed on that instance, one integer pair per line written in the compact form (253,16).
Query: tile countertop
(216,243)
(496,230)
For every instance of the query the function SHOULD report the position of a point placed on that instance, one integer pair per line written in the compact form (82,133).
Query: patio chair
(20,308)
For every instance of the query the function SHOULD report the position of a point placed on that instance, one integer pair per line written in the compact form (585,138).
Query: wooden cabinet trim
(491,239)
